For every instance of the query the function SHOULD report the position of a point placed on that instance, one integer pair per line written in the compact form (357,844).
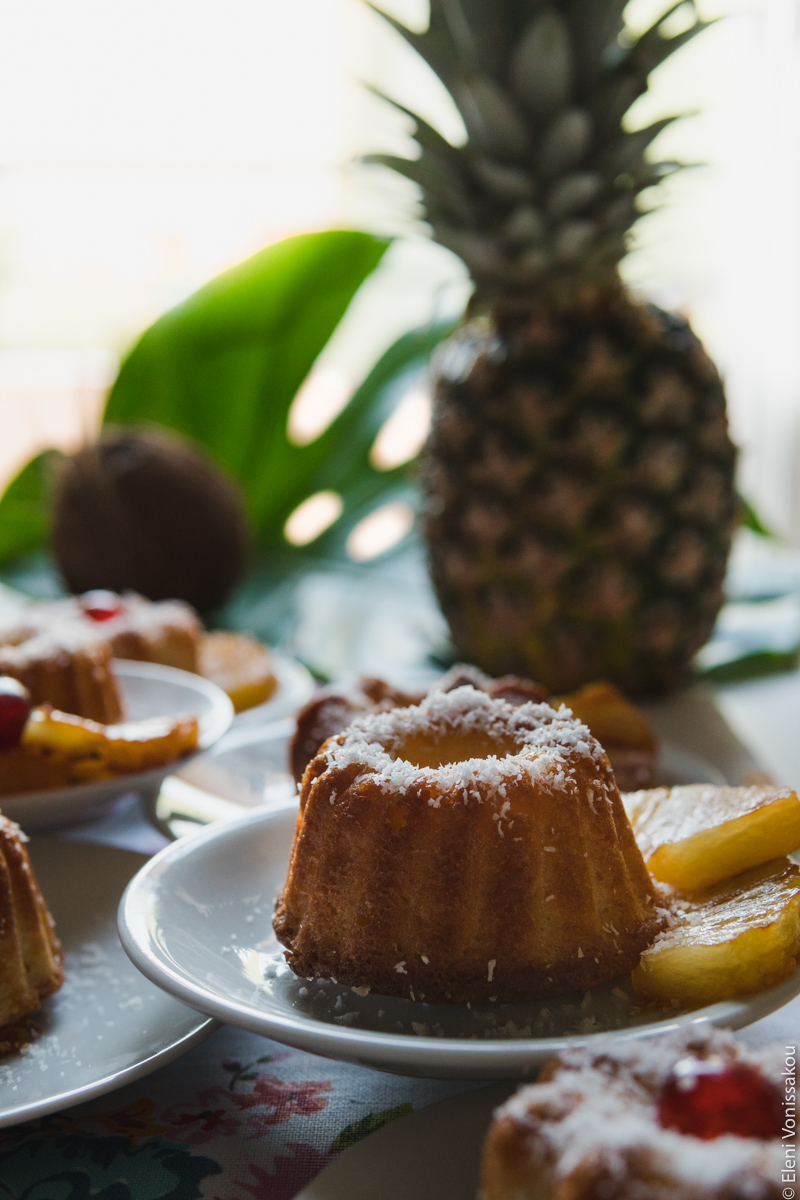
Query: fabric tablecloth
(243,1118)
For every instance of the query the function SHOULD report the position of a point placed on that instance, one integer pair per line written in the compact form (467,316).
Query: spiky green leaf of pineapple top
(547,182)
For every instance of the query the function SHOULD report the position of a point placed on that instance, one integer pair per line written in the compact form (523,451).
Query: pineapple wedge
(241,666)
(133,746)
(693,837)
(610,715)
(737,938)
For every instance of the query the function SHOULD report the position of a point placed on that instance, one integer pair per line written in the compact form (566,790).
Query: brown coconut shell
(144,510)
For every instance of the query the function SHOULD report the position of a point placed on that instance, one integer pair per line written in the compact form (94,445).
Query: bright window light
(321,398)
(313,517)
(379,531)
(403,435)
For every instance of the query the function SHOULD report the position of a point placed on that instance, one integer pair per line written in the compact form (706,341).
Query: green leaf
(753,666)
(24,519)
(339,459)
(224,366)
(360,1129)
(752,521)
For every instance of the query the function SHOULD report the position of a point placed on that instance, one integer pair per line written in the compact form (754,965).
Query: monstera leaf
(223,368)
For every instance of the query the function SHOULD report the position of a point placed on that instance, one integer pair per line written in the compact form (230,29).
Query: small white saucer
(197,920)
(107,1026)
(148,690)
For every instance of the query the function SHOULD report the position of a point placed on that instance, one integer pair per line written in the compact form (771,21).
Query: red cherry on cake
(707,1098)
(15,705)
(101,605)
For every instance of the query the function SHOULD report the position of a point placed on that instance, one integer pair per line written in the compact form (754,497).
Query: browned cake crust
(163,631)
(588,1129)
(509,875)
(67,669)
(31,958)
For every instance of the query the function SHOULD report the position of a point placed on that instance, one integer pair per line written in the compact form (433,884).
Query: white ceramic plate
(295,687)
(148,690)
(107,1026)
(250,767)
(197,921)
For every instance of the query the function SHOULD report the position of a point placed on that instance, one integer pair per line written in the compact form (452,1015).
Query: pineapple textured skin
(580,502)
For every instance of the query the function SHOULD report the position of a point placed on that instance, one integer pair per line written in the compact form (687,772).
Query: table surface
(243,1118)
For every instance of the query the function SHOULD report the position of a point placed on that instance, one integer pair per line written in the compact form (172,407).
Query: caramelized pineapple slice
(737,938)
(241,666)
(97,751)
(622,730)
(610,715)
(692,837)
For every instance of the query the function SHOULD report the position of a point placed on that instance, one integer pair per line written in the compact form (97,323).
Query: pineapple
(729,941)
(579,472)
(695,836)
(89,746)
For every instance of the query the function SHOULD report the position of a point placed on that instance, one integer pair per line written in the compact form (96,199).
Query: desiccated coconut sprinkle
(550,743)
(602,1110)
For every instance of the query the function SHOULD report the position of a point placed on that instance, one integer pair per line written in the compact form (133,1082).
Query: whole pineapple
(579,473)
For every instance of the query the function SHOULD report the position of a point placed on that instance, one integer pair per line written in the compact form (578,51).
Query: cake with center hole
(62,650)
(464,850)
(692,1115)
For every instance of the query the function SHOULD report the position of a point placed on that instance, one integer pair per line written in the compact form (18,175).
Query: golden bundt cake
(689,1116)
(64,665)
(61,650)
(463,850)
(157,631)
(30,954)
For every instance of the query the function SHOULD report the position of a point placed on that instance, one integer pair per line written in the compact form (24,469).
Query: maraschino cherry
(15,705)
(101,605)
(708,1097)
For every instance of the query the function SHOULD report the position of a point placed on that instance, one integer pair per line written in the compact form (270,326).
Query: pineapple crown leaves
(548,180)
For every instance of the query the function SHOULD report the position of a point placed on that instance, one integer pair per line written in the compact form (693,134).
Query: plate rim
(117,1079)
(370,1047)
(142,779)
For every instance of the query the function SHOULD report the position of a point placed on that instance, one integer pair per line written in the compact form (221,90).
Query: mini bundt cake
(464,850)
(157,631)
(690,1116)
(65,665)
(61,650)
(30,954)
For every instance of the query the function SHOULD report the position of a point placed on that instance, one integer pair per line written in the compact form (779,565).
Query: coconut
(145,511)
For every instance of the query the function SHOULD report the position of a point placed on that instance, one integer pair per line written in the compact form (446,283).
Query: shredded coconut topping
(551,744)
(600,1108)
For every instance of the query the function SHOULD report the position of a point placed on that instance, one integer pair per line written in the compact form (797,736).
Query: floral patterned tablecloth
(238,1118)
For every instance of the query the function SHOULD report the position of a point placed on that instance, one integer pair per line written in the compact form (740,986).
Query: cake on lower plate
(31,958)
(464,849)
(689,1116)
